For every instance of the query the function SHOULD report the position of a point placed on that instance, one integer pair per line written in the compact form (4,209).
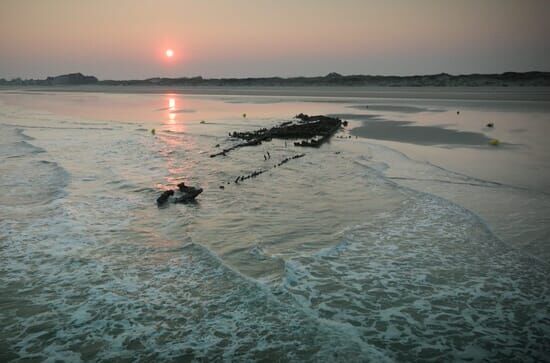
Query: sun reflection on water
(176,142)
(171,124)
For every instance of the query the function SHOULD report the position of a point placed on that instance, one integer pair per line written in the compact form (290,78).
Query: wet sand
(394,108)
(374,127)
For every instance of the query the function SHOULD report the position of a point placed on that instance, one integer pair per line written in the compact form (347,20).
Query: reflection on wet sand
(378,128)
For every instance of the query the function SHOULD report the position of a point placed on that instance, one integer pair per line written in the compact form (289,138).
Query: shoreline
(523,94)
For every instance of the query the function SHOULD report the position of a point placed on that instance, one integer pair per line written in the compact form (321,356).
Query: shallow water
(361,250)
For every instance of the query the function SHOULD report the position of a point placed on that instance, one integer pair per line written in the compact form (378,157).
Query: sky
(127,39)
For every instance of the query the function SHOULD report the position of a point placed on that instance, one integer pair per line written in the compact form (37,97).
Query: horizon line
(330,74)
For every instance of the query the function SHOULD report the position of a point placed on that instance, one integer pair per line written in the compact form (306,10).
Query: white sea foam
(429,281)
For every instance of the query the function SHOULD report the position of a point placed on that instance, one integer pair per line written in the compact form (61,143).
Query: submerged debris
(225,151)
(314,130)
(254,174)
(286,160)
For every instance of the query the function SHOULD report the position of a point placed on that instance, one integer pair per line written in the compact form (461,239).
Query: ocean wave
(18,149)
(191,306)
(58,127)
(32,182)
(26,176)
(22,135)
(429,280)
(526,206)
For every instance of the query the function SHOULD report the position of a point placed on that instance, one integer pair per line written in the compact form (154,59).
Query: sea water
(362,250)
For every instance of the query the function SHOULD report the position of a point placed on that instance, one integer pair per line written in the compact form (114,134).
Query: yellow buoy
(153,131)
(494,142)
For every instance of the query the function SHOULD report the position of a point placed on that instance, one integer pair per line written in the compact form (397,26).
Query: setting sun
(169,53)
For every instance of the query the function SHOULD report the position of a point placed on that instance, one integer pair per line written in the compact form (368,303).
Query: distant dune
(64,79)
(332,79)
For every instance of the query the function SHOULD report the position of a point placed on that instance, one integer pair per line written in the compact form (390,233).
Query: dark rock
(164,197)
(186,189)
(189,195)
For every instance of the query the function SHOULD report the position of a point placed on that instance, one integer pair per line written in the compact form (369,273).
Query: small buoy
(153,131)
(458,112)
(244,115)
(494,142)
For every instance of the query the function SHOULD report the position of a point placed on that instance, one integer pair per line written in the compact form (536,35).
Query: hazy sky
(121,39)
